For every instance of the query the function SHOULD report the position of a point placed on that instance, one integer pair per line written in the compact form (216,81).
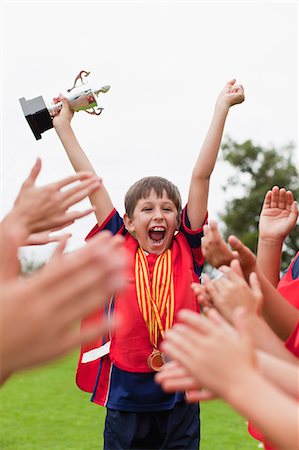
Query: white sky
(166,62)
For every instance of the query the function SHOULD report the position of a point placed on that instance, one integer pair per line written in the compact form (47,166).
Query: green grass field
(43,409)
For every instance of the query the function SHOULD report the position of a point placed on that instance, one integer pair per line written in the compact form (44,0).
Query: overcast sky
(166,62)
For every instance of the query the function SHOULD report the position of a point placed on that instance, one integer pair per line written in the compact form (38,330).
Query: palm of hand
(275,222)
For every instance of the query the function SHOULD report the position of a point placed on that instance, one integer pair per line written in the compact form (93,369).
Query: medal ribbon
(157,297)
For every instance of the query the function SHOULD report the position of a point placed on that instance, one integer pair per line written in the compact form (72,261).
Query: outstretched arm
(278,218)
(41,209)
(225,363)
(204,166)
(279,314)
(62,123)
(40,314)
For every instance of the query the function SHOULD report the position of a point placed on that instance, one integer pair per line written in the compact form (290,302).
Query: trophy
(80,97)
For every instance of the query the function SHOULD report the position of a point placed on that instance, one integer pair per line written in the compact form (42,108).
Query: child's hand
(202,295)
(214,248)
(66,113)
(246,258)
(279,215)
(232,94)
(231,291)
(207,348)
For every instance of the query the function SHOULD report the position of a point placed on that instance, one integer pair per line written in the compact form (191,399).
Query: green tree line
(255,170)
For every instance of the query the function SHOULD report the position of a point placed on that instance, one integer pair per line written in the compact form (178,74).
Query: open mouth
(157,234)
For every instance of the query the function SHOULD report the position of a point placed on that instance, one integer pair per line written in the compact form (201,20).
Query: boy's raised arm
(232,94)
(99,199)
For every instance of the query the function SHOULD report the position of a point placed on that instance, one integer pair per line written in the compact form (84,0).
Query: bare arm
(279,313)
(39,315)
(273,368)
(204,166)
(223,360)
(268,408)
(62,123)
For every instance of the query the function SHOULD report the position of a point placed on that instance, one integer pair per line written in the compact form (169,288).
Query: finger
(71,179)
(282,197)
(62,240)
(196,396)
(214,226)
(274,197)
(256,288)
(236,268)
(294,214)
(182,340)
(70,216)
(230,83)
(289,200)
(34,172)
(206,230)
(79,192)
(194,322)
(267,200)
(88,334)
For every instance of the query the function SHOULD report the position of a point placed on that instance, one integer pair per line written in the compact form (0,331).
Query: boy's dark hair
(142,189)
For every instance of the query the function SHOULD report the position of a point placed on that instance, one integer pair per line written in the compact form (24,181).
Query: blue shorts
(178,429)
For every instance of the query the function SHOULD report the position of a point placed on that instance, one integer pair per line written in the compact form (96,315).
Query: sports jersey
(121,379)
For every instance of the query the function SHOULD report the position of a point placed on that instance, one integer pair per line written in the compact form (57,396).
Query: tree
(255,171)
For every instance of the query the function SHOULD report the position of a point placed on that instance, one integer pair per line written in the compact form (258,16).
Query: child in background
(164,245)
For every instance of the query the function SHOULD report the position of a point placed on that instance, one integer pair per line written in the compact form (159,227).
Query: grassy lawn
(43,409)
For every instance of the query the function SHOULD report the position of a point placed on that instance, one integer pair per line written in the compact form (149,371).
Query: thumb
(230,83)
(236,267)
(256,290)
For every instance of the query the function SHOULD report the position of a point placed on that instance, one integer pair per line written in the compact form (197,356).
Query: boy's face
(154,222)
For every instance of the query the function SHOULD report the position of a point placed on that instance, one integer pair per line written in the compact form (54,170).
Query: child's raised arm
(99,199)
(232,94)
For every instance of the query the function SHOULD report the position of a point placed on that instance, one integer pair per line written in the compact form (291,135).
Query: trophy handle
(94,112)
(79,77)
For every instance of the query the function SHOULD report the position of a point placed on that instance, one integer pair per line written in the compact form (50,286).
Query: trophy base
(37,115)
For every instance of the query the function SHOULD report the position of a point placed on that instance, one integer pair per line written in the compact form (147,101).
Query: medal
(155,301)
(156,360)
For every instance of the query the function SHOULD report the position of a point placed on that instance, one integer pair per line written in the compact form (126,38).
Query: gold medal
(156,360)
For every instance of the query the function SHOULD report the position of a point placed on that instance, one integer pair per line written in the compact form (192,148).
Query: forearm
(269,258)
(278,312)
(269,409)
(208,154)
(273,368)
(200,179)
(265,339)
(76,155)
(100,199)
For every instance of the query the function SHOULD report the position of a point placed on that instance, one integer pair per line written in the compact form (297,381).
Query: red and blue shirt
(121,379)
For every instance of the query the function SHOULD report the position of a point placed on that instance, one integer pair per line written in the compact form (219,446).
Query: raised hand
(47,207)
(279,215)
(206,348)
(231,291)
(232,94)
(214,248)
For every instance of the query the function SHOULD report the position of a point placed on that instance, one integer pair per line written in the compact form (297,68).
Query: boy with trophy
(164,247)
